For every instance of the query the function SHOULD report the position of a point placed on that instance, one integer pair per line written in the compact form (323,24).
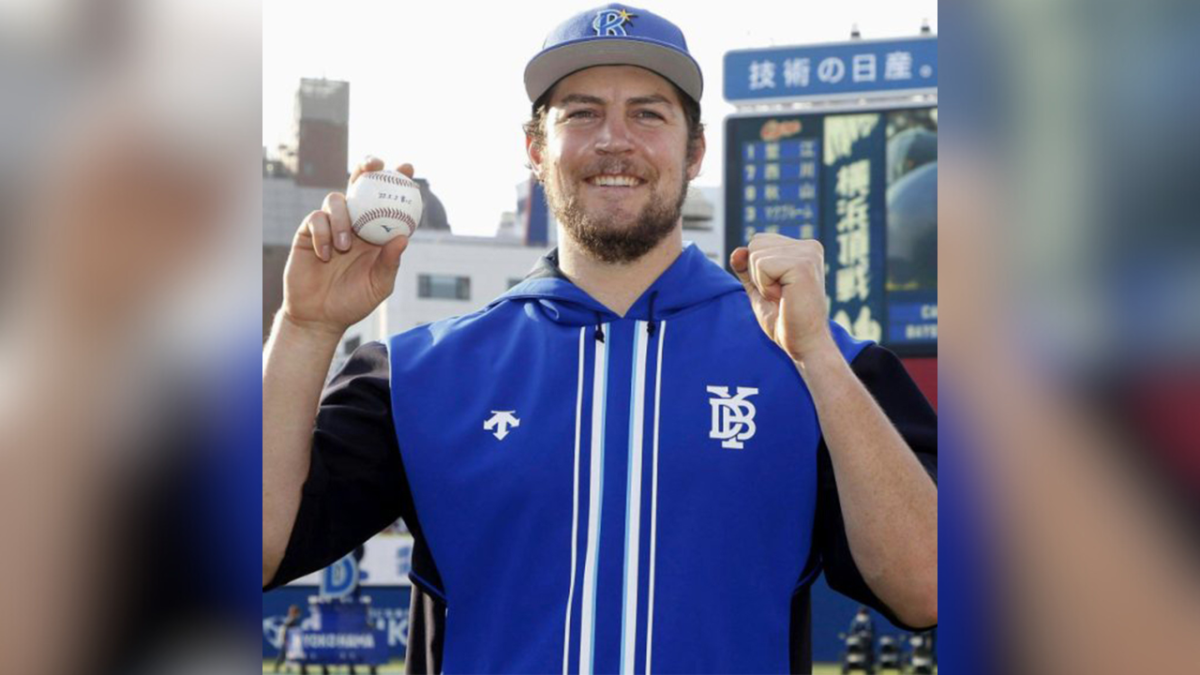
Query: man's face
(615,163)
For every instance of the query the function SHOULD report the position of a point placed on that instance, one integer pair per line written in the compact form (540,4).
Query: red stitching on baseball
(385,212)
(392,178)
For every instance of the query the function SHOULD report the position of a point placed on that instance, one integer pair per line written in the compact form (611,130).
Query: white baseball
(384,205)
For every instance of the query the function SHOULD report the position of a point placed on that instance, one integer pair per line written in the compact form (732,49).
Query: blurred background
(138,195)
(129,309)
(1072,366)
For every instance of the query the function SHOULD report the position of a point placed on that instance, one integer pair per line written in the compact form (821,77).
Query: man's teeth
(615,181)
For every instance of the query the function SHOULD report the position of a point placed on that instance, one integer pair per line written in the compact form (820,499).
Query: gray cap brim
(554,64)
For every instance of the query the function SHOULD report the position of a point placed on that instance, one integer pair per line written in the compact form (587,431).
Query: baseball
(384,205)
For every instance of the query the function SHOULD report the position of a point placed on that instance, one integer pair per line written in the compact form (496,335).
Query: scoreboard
(864,184)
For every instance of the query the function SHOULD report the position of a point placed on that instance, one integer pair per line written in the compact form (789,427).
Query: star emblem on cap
(626,16)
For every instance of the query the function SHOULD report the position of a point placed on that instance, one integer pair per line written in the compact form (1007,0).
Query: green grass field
(397,667)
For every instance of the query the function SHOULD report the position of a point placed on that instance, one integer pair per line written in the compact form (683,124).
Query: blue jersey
(594,493)
(611,494)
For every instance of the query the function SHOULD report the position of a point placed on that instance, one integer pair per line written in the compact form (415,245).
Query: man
(862,624)
(628,460)
(285,631)
(860,642)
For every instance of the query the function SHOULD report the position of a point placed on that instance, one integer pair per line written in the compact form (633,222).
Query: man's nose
(614,135)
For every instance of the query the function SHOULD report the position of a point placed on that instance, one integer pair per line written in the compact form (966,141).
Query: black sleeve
(426,633)
(356,484)
(902,401)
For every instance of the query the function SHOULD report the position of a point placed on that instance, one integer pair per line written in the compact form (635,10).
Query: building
(443,275)
(321,129)
(285,205)
(297,176)
(703,221)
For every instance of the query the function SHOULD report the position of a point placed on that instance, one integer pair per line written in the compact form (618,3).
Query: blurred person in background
(526,557)
(861,624)
(120,187)
(290,622)
(1068,211)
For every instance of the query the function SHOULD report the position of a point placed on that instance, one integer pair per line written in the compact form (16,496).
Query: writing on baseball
(384,205)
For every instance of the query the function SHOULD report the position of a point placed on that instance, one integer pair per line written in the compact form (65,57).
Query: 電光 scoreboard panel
(865,185)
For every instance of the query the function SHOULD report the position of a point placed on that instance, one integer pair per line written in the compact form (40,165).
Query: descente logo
(732,416)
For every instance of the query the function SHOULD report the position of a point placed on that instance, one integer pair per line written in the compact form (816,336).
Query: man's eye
(649,114)
(580,114)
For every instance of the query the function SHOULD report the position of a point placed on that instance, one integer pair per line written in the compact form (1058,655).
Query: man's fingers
(739,262)
(762,244)
(388,262)
(748,266)
(776,261)
(765,240)
(772,261)
(392,251)
(760,280)
(339,220)
(370,163)
(771,271)
(373,163)
(319,229)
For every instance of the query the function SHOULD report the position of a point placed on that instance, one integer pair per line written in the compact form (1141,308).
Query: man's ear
(696,158)
(533,151)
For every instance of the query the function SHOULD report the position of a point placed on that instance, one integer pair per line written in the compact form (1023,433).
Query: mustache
(619,166)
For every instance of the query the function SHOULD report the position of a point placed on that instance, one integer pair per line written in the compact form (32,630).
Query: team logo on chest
(732,416)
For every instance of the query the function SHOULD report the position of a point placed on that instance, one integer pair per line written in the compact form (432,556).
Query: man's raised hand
(785,279)
(334,279)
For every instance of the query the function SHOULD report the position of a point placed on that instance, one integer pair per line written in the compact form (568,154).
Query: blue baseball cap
(614,35)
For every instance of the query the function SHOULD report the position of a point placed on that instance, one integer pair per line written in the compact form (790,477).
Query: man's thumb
(388,262)
(394,249)
(739,262)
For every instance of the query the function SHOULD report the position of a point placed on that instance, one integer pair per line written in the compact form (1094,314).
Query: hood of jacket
(691,280)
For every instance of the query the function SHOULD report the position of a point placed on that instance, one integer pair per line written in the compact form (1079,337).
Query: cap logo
(611,22)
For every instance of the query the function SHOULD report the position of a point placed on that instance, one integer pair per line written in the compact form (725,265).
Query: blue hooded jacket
(611,494)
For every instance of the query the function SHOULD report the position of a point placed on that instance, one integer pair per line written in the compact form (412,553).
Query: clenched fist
(785,279)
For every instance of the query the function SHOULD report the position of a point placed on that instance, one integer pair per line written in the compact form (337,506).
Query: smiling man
(631,461)
(615,174)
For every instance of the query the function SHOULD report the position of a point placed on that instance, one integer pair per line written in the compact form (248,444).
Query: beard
(601,235)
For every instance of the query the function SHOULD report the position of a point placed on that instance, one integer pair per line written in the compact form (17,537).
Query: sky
(439,84)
